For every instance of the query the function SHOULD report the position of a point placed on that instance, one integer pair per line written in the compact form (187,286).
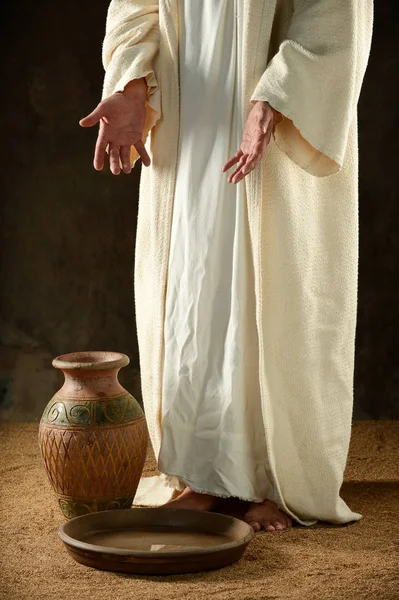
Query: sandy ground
(321,562)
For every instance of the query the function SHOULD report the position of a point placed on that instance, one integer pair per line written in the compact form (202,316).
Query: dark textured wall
(377,366)
(67,232)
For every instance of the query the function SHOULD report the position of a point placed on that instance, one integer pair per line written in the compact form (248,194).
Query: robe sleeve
(130,49)
(314,80)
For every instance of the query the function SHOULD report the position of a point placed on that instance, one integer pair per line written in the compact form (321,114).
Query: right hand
(122,117)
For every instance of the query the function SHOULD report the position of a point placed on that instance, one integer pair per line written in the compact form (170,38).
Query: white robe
(212,434)
(307,58)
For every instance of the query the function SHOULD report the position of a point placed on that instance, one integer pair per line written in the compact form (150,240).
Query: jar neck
(96,384)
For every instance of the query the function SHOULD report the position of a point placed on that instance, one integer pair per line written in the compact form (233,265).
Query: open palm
(121,118)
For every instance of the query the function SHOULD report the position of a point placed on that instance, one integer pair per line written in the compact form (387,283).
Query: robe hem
(199,491)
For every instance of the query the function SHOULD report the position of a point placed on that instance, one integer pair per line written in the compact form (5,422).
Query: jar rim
(91,360)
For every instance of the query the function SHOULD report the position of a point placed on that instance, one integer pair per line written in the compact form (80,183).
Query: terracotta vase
(93,435)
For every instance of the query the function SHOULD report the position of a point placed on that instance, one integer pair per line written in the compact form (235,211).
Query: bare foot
(193,500)
(265,515)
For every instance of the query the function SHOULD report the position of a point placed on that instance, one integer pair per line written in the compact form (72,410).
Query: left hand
(258,129)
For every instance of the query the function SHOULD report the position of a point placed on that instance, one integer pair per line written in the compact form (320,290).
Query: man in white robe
(278,104)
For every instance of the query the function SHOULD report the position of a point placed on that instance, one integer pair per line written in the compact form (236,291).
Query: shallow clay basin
(156,540)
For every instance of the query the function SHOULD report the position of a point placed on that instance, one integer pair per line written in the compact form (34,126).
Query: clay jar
(93,435)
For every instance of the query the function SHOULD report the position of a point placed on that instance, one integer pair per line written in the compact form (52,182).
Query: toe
(269,527)
(287,521)
(255,525)
(279,525)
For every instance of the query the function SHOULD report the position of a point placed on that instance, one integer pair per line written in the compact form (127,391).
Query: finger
(241,163)
(251,163)
(93,117)
(125,159)
(254,158)
(238,177)
(99,152)
(143,153)
(232,161)
(114,159)
(247,168)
